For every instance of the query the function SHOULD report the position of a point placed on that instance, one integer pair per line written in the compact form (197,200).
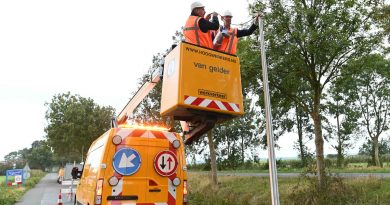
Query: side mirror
(75,173)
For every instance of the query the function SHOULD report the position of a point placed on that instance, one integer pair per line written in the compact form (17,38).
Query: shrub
(307,192)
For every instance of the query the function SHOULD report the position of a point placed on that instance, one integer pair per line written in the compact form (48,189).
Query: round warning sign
(126,161)
(18,178)
(165,163)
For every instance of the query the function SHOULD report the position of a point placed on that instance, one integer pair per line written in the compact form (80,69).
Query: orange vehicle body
(134,165)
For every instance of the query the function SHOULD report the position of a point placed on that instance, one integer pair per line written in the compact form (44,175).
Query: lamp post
(270,134)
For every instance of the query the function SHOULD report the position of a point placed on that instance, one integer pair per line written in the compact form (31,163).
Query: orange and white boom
(139,96)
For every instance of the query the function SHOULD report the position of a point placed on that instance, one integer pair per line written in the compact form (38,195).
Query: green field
(293,191)
(2,179)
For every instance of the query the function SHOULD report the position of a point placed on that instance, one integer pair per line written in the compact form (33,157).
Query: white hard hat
(227,13)
(196,4)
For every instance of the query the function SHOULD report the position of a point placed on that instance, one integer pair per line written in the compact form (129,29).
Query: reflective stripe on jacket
(193,34)
(229,45)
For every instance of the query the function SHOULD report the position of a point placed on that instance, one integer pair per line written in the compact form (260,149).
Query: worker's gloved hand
(218,40)
(256,22)
(208,16)
(225,33)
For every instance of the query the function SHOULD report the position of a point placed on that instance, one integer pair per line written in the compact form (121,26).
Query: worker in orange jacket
(227,37)
(198,29)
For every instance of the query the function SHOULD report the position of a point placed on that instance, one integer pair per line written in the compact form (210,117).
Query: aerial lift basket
(201,86)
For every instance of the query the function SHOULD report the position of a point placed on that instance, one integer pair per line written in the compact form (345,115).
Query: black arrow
(162,163)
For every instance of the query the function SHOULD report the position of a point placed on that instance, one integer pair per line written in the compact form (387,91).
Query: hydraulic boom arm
(139,96)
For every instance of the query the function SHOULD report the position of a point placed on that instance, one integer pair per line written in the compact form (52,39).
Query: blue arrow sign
(126,161)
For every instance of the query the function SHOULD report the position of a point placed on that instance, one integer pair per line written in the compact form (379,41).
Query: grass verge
(2,179)
(292,191)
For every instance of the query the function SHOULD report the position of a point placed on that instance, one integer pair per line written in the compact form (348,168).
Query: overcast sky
(96,49)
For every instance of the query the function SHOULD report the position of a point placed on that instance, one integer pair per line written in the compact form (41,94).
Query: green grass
(293,191)
(2,180)
(284,170)
(296,170)
(350,168)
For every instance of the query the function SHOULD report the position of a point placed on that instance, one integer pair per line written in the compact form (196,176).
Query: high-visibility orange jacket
(194,35)
(229,45)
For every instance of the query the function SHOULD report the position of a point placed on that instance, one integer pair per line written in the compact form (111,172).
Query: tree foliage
(366,81)
(308,42)
(238,140)
(345,116)
(73,123)
(38,156)
(366,148)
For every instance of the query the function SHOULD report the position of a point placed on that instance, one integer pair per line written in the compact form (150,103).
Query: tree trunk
(319,141)
(300,137)
(340,157)
(213,159)
(375,146)
(242,150)
(339,141)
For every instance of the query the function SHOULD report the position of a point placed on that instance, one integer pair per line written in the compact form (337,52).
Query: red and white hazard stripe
(124,133)
(215,104)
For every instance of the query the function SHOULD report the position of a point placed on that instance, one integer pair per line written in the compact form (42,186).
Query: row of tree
(322,56)
(329,80)
(38,156)
(73,123)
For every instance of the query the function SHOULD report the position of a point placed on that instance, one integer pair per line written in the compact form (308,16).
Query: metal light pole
(270,133)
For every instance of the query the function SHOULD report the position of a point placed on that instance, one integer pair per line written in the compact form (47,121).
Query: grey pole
(270,134)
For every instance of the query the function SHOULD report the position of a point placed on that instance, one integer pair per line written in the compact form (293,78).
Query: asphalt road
(46,192)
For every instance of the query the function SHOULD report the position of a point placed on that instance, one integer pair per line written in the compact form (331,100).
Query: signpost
(17,174)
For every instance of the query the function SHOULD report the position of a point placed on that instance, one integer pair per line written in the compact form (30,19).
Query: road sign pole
(270,134)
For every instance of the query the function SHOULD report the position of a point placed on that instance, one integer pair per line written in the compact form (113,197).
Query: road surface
(46,192)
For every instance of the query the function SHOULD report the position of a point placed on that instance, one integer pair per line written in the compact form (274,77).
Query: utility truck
(135,164)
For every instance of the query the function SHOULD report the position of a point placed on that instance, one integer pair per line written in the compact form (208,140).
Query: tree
(73,123)
(346,120)
(40,155)
(308,42)
(148,110)
(235,138)
(383,17)
(213,157)
(304,129)
(366,149)
(14,158)
(367,82)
